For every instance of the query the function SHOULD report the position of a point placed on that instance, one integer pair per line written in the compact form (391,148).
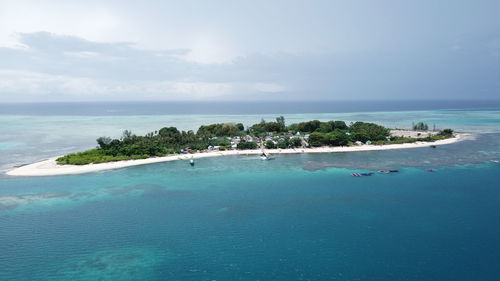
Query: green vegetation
(444,134)
(95,156)
(246,145)
(264,127)
(420,126)
(270,144)
(225,136)
(221,130)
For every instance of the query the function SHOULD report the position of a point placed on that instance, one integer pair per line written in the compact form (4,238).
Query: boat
(264,155)
(431,170)
(495,161)
(433,146)
(361,174)
(388,171)
(191,162)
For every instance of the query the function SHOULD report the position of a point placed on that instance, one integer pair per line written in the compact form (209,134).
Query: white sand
(413,134)
(50,168)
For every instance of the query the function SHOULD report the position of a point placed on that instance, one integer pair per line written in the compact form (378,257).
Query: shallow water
(30,138)
(234,218)
(298,217)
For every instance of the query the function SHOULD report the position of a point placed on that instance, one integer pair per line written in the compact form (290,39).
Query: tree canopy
(420,126)
(273,134)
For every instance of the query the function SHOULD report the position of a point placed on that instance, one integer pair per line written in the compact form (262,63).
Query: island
(221,139)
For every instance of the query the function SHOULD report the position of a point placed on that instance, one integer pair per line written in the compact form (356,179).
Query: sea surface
(297,217)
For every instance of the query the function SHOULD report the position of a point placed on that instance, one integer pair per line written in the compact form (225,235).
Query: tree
(220,130)
(340,125)
(363,131)
(309,126)
(114,147)
(325,127)
(126,134)
(338,138)
(420,126)
(293,128)
(219,142)
(283,144)
(240,126)
(273,127)
(265,127)
(281,121)
(270,144)
(296,142)
(446,132)
(246,145)
(103,142)
(317,139)
(168,132)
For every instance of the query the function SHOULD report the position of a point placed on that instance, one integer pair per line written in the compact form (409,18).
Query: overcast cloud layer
(248,50)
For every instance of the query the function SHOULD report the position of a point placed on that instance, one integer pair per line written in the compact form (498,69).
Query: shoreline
(49,167)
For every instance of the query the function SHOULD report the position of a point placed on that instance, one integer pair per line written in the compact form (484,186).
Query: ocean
(298,217)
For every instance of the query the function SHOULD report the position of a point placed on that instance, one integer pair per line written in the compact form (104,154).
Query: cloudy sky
(248,50)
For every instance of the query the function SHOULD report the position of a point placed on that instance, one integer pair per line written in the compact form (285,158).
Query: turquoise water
(31,138)
(298,217)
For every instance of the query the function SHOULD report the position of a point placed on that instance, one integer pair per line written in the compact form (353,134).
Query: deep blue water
(298,217)
(241,219)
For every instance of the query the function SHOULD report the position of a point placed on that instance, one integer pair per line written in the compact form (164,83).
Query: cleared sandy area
(413,134)
(49,167)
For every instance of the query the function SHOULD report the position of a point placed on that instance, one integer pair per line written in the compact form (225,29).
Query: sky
(248,50)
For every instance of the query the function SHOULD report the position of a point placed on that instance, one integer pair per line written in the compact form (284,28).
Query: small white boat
(264,155)
(191,162)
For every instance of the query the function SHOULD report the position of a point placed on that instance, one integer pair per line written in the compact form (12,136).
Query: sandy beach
(49,167)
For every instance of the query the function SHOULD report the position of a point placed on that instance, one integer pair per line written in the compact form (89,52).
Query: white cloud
(95,22)
(208,47)
(269,87)
(84,54)
(61,87)
(55,67)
